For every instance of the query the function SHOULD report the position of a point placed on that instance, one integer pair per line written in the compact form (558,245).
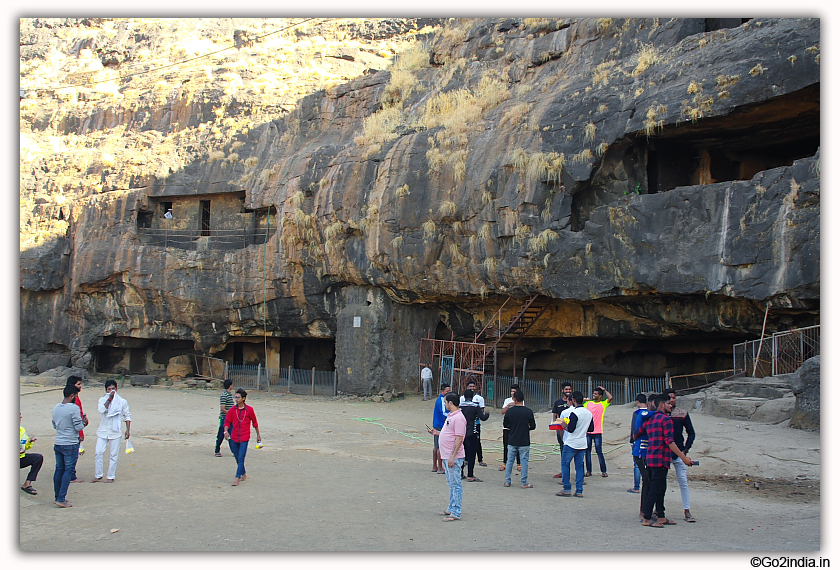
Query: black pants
(504,448)
(470,448)
(479,452)
(645,472)
(35,460)
(220,437)
(656,494)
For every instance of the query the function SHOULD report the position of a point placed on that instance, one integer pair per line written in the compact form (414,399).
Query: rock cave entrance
(300,353)
(751,139)
(613,359)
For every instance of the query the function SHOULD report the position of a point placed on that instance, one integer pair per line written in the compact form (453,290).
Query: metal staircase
(500,340)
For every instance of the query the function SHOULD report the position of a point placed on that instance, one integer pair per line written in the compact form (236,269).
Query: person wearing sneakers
(508,404)
(660,431)
(520,422)
(574,447)
(641,404)
(682,421)
(67,422)
(559,406)
(598,406)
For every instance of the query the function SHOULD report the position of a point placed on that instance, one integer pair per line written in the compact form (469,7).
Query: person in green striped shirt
(225,403)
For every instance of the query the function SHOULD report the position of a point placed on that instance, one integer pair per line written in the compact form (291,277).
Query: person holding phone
(114,409)
(32,460)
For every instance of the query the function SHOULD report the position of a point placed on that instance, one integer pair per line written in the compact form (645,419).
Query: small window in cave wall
(144,219)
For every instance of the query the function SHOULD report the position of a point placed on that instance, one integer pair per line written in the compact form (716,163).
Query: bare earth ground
(339,475)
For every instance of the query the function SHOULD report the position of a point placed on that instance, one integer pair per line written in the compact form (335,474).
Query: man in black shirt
(559,406)
(520,421)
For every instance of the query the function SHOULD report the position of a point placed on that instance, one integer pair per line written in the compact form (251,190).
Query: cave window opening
(205,217)
(164,207)
(144,220)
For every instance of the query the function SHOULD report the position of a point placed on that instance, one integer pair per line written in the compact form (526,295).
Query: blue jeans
(570,454)
(239,450)
(456,488)
(637,476)
(524,452)
(65,469)
(596,437)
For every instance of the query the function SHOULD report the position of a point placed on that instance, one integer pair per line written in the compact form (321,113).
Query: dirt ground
(343,475)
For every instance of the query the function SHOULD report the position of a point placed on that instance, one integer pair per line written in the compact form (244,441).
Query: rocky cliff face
(657,179)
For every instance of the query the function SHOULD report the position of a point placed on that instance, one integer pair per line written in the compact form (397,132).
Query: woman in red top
(238,431)
(77,382)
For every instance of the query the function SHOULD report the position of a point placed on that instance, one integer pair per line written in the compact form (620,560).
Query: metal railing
(195,239)
(540,395)
(779,353)
(309,382)
(688,381)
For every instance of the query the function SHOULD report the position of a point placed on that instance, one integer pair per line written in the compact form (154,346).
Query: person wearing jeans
(578,421)
(598,406)
(225,404)
(451,442)
(659,429)
(238,432)
(67,421)
(520,421)
(682,421)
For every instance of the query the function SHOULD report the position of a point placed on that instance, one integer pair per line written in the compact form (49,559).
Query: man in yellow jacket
(32,460)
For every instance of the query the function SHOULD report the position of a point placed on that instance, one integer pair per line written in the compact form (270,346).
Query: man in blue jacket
(438,419)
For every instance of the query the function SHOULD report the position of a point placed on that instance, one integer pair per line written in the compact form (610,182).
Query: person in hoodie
(473,413)
(114,409)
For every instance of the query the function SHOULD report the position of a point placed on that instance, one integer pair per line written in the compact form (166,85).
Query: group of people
(656,434)
(69,421)
(456,429)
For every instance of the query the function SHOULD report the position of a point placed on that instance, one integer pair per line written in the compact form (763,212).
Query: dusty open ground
(338,475)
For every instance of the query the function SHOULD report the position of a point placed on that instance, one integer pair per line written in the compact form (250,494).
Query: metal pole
(313,380)
(259,375)
(524,365)
(289,379)
(626,389)
(588,386)
(551,391)
(668,380)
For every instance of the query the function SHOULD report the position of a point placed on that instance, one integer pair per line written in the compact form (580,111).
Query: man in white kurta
(114,410)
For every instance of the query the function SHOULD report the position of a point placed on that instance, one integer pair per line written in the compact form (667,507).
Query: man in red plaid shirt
(660,432)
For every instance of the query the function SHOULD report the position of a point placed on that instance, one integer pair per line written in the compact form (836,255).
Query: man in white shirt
(574,444)
(426,376)
(114,409)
